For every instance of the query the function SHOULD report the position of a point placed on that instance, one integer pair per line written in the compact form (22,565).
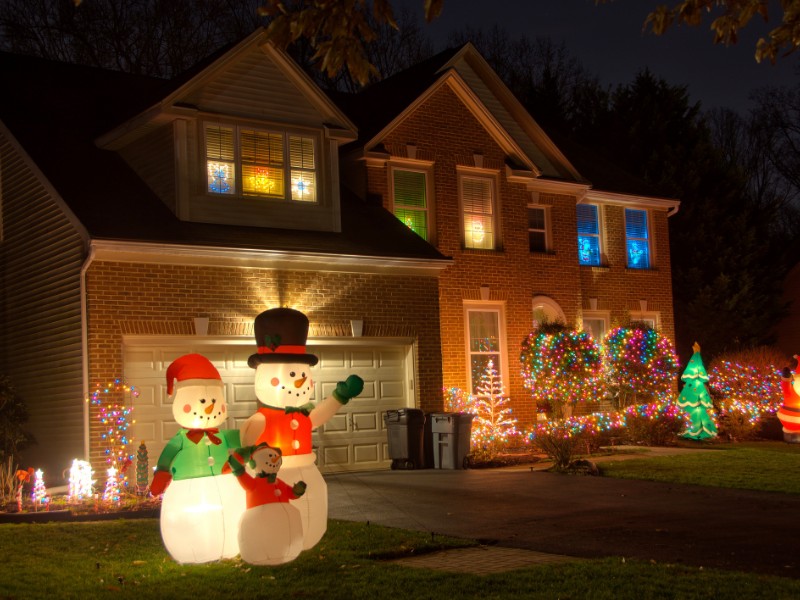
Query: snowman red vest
(202,504)
(286,417)
(789,412)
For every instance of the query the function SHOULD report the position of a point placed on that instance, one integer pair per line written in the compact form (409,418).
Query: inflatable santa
(271,531)
(286,416)
(789,412)
(202,505)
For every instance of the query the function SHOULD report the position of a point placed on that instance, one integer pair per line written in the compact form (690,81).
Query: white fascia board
(670,205)
(211,256)
(553,186)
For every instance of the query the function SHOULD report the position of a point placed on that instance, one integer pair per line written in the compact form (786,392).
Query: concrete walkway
(582,516)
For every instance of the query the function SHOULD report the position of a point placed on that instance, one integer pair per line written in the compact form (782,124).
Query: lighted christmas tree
(80,481)
(695,400)
(39,491)
(561,367)
(640,363)
(113,404)
(493,424)
(142,470)
(111,493)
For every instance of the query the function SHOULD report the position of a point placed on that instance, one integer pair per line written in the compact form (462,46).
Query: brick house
(535,230)
(144,219)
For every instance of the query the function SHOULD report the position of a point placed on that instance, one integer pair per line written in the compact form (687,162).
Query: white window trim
(650,245)
(237,161)
(599,315)
(648,315)
(486,306)
(551,304)
(601,235)
(548,228)
(493,176)
(425,167)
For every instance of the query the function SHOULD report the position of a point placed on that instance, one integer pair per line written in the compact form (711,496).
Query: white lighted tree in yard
(493,425)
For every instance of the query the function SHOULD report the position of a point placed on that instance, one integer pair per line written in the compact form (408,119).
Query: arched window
(546,310)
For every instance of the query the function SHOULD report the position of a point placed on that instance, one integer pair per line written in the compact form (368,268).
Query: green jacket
(183,459)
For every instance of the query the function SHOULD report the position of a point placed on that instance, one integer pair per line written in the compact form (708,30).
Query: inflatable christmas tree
(695,400)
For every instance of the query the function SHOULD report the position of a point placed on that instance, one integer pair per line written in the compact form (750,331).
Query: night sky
(609,42)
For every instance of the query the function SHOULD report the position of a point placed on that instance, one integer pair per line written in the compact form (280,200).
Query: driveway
(582,516)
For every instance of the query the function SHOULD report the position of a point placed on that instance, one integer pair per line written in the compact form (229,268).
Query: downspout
(85,349)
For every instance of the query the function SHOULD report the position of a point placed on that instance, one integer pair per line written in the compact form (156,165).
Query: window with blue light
(588,235)
(637,239)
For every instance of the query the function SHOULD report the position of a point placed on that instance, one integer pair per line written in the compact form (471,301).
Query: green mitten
(348,389)
(236,467)
(299,488)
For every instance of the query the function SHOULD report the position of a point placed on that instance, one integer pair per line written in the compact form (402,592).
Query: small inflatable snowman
(202,505)
(271,531)
(286,416)
(789,412)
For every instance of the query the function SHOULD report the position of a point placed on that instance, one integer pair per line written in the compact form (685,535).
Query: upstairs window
(252,162)
(588,235)
(478,205)
(410,200)
(537,229)
(637,240)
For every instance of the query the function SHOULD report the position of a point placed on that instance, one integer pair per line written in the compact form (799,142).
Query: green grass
(765,466)
(117,559)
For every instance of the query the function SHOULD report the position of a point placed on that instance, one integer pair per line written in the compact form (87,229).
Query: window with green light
(411,200)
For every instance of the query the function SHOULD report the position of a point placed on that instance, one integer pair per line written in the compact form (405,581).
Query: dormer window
(242,161)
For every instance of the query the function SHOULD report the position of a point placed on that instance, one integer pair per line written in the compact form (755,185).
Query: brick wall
(163,299)
(445,131)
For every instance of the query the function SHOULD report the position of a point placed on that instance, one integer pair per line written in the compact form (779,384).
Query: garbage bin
(404,428)
(451,439)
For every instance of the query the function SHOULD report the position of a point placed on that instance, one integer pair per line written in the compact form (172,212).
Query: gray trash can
(404,428)
(451,439)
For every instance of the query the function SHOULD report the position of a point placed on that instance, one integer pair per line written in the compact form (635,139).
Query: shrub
(748,381)
(640,365)
(655,424)
(13,416)
(559,441)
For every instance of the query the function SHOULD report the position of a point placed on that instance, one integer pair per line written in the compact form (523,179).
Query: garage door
(353,440)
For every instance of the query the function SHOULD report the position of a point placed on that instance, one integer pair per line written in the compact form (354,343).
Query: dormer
(247,140)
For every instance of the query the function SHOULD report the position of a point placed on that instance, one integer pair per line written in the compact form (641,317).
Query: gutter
(85,349)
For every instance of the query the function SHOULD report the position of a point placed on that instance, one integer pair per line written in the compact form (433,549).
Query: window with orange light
(250,162)
(478,204)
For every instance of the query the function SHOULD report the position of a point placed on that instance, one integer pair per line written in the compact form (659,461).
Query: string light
(80,481)
(113,413)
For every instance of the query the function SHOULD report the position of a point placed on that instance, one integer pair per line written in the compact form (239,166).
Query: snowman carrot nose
(209,409)
(300,382)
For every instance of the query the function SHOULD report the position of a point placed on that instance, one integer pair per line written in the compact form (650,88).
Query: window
(537,229)
(251,162)
(485,341)
(410,195)
(478,204)
(588,235)
(637,244)
(546,310)
(595,325)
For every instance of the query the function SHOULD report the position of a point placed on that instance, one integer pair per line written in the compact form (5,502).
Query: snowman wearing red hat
(202,504)
(789,412)
(286,416)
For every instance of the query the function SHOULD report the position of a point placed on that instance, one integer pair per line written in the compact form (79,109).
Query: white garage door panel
(354,438)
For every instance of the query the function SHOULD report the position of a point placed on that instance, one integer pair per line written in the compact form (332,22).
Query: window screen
(588,235)
(637,244)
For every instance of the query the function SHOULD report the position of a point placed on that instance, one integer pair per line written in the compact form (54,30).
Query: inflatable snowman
(201,507)
(789,412)
(286,416)
(271,531)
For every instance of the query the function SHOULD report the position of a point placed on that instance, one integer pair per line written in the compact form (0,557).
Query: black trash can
(404,428)
(451,439)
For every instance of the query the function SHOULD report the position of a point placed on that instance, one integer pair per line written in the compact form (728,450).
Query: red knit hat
(190,366)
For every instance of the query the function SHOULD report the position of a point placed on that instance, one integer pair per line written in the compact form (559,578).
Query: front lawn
(126,559)
(766,466)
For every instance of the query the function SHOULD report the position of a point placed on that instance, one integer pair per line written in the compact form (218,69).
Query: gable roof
(54,111)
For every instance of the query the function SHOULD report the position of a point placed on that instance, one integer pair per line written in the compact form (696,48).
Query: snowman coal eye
(292,374)
(302,374)
(202,400)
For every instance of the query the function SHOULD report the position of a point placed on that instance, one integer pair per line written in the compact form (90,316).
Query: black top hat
(281,335)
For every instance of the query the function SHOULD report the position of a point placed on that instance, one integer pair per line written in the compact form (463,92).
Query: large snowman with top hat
(286,416)
(202,503)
